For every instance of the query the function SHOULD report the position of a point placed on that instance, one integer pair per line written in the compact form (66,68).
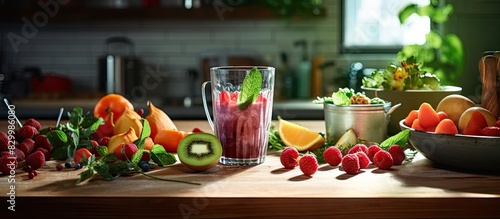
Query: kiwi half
(199,151)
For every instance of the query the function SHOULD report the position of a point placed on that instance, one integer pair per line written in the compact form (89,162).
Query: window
(372,26)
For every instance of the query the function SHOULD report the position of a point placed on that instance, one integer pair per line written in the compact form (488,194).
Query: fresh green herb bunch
(347,96)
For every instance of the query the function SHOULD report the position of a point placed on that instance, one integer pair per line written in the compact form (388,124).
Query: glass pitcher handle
(204,98)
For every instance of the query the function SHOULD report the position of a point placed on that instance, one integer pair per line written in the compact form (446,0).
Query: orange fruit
(416,125)
(427,116)
(169,139)
(411,117)
(299,137)
(80,154)
(442,115)
(454,105)
(148,144)
(447,126)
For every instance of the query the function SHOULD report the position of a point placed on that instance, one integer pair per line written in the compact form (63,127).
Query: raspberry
(372,150)
(26,132)
(35,160)
(31,175)
(104,141)
(59,167)
(288,157)
(357,148)
(364,161)
(93,150)
(383,160)
(34,123)
(41,141)
(308,164)
(20,155)
(140,112)
(27,146)
(146,156)
(397,153)
(7,164)
(4,141)
(126,151)
(333,156)
(350,163)
(45,152)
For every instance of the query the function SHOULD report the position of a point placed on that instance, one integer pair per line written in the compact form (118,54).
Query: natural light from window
(374,24)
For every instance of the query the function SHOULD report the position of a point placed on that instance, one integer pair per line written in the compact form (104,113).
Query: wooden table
(417,189)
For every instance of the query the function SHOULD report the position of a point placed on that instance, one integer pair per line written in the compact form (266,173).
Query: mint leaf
(162,157)
(58,153)
(75,117)
(87,174)
(57,138)
(146,131)
(137,156)
(250,89)
(91,127)
(400,139)
(102,150)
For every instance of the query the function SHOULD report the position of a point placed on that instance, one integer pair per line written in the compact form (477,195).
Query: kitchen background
(175,47)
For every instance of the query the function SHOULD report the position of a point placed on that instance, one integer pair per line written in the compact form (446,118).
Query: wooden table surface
(418,189)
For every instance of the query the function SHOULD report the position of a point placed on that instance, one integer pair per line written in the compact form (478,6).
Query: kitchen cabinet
(419,189)
(85,14)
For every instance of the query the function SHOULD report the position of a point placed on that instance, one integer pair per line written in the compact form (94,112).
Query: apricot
(427,116)
(416,125)
(446,126)
(411,117)
(169,139)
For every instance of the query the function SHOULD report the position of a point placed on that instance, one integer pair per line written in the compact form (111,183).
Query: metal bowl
(466,152)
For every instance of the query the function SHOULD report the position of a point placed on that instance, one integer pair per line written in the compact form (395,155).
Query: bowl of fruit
(472,143)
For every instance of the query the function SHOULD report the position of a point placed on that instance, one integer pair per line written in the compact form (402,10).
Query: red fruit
(59,166)
(383,160)
(45,152)
(80,154)
(41,141)
(146,156)
(20,155)
(490,131)
(35,160)
(308,164)
(497,124)
(26,132)
(140,111)
(94,143)
(106,129)
(27,146)
(372,150)
(427,116)
(411,117)
(446,126)
(476,123)
(126,151)
(104,141)
(33,122)
(4,141)
(364,161)
(6,153)
(333,156)
(224,97)
(289,157)
(196,130)
(358,148)
(350,163)
(397,154)
(442,115)
(416,125)
(7,164)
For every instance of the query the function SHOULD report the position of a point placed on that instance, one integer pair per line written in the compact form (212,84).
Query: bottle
(288,87)
(303,72)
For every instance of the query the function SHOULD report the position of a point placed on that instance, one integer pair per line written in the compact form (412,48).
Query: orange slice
(299,137)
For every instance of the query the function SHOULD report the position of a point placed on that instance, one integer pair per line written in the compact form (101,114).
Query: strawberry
(27,146)
(41,141)
(289,157)
(93,150)
(397,153)
(383,160)
(26,132)
(490,131)
(357,148)
(7,164)
(20,155)
(308,164)
(364,161)
(333,156)
(126,151)
(5,153)
(196,130)
(350,163)
(35,160)
(497,124)
(224,97)
(4,141)
(80,154)
(34,123)
(372,150)
(104,141)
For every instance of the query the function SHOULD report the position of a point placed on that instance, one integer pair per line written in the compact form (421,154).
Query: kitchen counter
(419,189)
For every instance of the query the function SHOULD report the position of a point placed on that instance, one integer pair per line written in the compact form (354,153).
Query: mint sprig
(250,89)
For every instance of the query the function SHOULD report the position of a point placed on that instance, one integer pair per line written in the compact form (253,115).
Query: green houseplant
(442,53)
